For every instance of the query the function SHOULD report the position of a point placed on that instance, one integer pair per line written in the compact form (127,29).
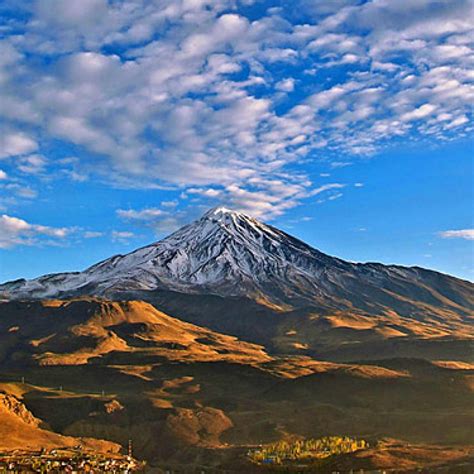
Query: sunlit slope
(79,331)
(330,334)
(19,429)
(188,395)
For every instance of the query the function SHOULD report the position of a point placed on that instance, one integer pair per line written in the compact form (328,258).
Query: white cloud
(207,192)
(226,28)
(159,220)
(457,122)
(170,110)
(19,189)
(467,234)
(14,143)
(143,215)
(32,164)
(92,234)
(70,15)
(3,175)
(122,235)
(326,187)
(285,85)
(419,113)
(340,164)
(15,231)
(333,197)
(169,204)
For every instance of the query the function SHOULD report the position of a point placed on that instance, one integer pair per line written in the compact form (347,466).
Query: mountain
(227,253)
(230,334)
(77,332)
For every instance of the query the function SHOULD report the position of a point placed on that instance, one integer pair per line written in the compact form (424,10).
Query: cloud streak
(467,234)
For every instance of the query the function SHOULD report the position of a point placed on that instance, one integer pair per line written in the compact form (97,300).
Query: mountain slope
(82,331)
(177,407)
(227,253)
(19,427)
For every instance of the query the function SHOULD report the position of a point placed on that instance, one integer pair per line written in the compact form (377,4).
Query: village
(67,460)
(309,450)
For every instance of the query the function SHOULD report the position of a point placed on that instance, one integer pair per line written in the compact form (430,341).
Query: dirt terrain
(189,396)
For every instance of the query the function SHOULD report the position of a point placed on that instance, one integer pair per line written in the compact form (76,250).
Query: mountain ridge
(227,253)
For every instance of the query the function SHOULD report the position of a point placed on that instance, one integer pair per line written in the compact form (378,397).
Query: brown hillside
(20,429)
(78,331)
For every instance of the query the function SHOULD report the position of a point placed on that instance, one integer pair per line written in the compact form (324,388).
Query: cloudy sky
(347,123)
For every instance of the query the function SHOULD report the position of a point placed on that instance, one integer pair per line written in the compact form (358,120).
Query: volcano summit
(227,253)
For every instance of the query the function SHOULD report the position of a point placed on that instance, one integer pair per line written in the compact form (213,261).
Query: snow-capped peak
(220,211)
(224,215)
(223,252)
(228,253)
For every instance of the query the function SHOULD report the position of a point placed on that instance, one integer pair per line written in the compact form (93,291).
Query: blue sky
(346,123)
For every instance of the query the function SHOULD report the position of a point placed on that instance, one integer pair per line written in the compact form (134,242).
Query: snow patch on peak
(221,212)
